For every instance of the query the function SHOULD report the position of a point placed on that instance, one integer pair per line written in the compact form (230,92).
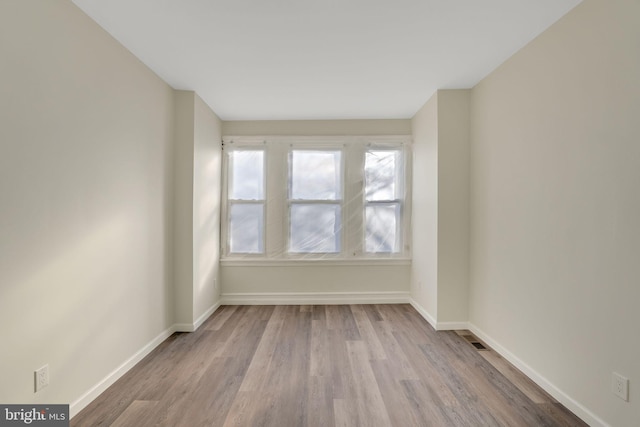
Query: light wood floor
(358,365)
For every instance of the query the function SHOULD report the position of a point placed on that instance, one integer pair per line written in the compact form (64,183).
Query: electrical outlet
(620,386)
(41,378)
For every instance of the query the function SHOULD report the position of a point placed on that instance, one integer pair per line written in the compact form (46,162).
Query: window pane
(315,175)
(246,175)
(315,228)
(380,173)
(382,228)
(246,224)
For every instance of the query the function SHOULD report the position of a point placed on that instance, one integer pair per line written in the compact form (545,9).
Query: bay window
(308,198)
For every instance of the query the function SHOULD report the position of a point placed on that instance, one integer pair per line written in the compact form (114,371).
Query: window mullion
(354,200)
(276,211)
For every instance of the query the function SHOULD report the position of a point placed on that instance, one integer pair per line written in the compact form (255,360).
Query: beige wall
(85,196)
(555,236)
(353,279)
(317,127)
(424,227)
(453,207)
(440,272)
(109,224)
(197,157)
(207,146)
(183,158)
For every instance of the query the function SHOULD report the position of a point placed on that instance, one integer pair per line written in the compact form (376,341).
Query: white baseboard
(107,381)
(575,407)
(200,320)
(184,327)
(80,403)
(452,326)
(308,298)
(192,327)
(438,326)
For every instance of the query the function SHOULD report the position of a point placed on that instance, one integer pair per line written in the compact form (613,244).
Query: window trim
(291,201)
(401,184)
(277,222)
(227,203)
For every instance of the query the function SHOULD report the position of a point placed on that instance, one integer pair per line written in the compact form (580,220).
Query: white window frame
(290,201)
(227,203)
(401,183)
(277,199)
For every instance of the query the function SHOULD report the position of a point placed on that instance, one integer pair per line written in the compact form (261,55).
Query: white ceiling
(322,59)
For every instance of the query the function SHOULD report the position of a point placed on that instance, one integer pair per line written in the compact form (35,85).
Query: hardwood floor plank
(320,313)
(425,369)
(340,317)
(470,392)
(489,385)
(472,416)
(320,357)
(398,406)
(561,415)
(368,333)
(136,414)
(395,354)
(371,408)
(259,367)
(284,393)
(205,402)
(262,312)
(299,366)
(320,402)
(524,384)
(214,394)
(345,415)
(425,405)
(341,375)
(219,318)
(234,345)
(241,412)
(373,313)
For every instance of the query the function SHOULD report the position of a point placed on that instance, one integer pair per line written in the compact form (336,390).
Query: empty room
(296,213)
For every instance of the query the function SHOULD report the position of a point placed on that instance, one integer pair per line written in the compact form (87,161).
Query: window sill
(253,262)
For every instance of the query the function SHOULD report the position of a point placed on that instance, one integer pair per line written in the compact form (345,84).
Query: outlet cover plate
(620,386)
(41,377)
